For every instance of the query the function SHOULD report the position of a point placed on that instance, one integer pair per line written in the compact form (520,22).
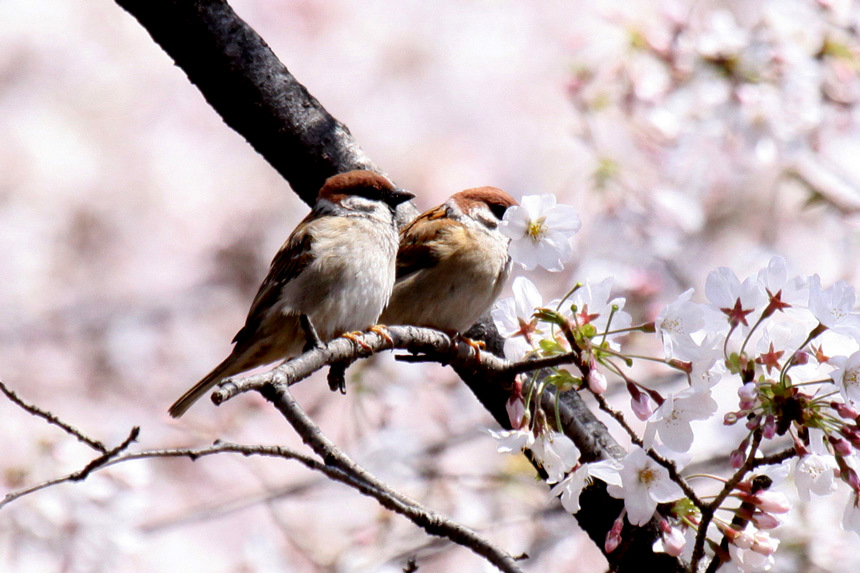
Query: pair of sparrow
(345,268)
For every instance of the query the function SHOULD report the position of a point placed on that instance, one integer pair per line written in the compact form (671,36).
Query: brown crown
(496,199)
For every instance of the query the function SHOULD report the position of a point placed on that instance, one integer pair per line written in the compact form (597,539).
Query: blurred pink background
(136,227)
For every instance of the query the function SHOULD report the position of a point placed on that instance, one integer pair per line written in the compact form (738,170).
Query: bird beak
(398,196)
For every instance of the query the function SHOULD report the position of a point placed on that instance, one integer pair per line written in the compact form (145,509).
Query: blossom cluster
(789,346)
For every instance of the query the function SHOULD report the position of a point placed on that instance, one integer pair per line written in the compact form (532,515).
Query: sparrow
(452,262)
(337,268)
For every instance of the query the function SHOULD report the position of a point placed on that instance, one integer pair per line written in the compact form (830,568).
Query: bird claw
(355,337)
(337,377)
(476,345)
(382,331)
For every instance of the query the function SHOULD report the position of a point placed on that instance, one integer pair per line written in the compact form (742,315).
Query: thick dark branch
(252,90)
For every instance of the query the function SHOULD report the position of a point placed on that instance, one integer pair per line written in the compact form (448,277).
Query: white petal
(563,219)
(537,205)
(526,296)
(525,253)
(640,508)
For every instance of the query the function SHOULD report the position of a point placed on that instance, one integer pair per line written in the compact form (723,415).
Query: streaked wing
(416,238)
(291,259)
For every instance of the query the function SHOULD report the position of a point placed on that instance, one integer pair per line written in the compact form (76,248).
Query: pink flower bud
(518,387)
(748,393)
(849,476)
(737,457)
(730,418)
(674,542)
(845,411)
(841,445)
(596,381)
(852,433)
(681,365)
(613,537)
(753,422)
(642,406)
(764,544)
(740,538)
(769,430)
(770,501)
(801,357)
(516,409)
(613,540)
(765,520)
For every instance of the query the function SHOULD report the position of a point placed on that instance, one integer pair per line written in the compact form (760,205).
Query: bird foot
(337,377)
(312,339)
(355,337)
(476,345)
(382,331)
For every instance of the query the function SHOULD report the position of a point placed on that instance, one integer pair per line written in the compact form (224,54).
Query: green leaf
(551,347)
(564,380)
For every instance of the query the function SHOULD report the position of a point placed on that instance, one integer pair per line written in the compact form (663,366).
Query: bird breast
(349,279)
(452,294)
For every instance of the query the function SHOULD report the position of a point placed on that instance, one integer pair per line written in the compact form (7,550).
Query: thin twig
(99,462)
(776,458)
(654,455)
(360,346)
(709,509)
(52,419)
(192,454)
(107,456)
(431,522)
(547,362)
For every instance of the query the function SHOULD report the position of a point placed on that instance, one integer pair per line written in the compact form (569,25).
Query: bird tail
(227,368)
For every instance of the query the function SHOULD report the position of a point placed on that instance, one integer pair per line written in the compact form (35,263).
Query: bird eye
(498,210)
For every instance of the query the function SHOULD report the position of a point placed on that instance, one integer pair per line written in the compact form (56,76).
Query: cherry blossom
(513,318)
(570,488)
(833,306)
(671,541)
(851,515)
(595,307)
(815,471)
(644,484)
(749,561)
(556,453)
(784,294)
(676,323)
(671,421)
(540,232)
(846,376)
(735,299)
(513,441)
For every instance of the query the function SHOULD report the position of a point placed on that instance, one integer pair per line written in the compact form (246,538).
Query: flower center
(647,475)
(672,325)
(536,230)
